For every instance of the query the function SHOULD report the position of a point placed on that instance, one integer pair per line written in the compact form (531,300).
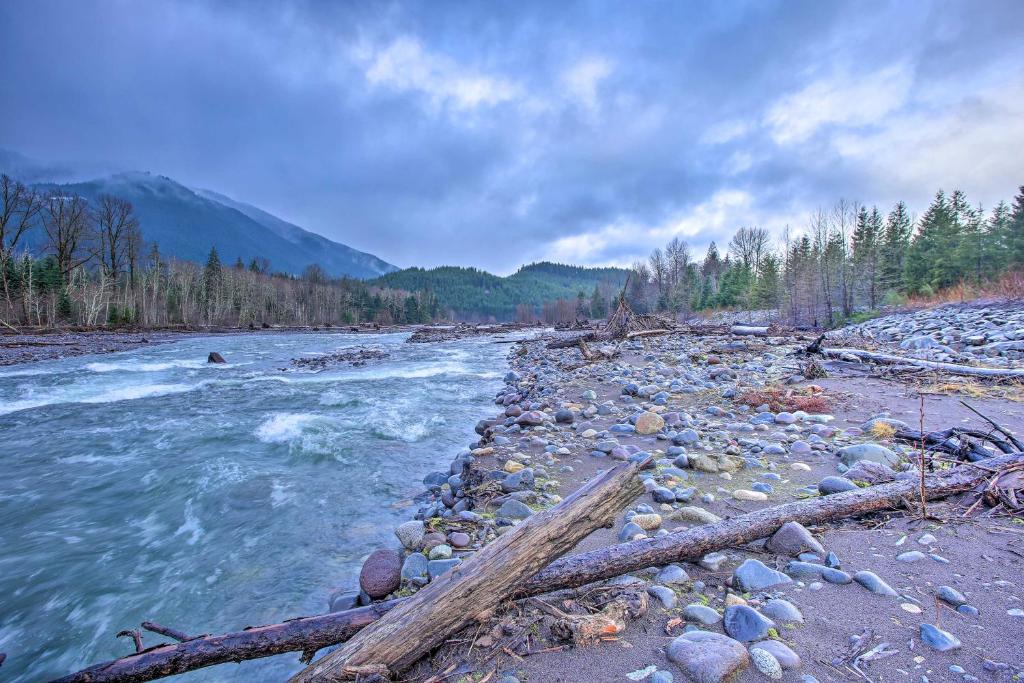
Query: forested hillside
(848,259)
(469,293)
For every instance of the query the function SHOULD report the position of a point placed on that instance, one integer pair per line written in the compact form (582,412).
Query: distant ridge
(186,222)
(470,292)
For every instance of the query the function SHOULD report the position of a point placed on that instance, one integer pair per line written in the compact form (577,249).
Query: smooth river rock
(707,657)
(381,574)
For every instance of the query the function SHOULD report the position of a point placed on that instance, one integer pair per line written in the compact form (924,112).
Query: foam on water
(284,427)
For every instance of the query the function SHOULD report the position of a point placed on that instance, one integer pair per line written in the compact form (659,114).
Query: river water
(151,485)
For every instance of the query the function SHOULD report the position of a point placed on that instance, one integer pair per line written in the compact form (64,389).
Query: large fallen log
(951,368)
(481,583)
(312,633)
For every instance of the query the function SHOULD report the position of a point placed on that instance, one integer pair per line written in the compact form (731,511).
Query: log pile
(860,355)
(312,633)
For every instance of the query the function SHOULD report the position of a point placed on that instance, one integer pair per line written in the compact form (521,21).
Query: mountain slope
(475,293)
(333,257)
(185,223)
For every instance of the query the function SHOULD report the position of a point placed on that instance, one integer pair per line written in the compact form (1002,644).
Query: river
(152,485)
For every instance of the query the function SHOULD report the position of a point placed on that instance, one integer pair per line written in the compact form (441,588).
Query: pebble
(951,596)
(873,583)
(744,494)
(912,556)
(766,663)
(937,639)
(713,561)
(664,595)
(782,653)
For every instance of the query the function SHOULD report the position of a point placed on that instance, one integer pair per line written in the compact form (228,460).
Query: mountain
(473,293)
(185,223)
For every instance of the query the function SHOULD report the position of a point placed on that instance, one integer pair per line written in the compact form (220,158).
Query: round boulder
(381,574)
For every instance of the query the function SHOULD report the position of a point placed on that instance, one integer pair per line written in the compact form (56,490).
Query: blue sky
(497,133)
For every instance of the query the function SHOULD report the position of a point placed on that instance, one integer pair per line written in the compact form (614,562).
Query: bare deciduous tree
(66,221)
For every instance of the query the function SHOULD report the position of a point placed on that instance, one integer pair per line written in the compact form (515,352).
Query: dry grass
(1010,391)
(781,399)
(1008,286)
(883,431)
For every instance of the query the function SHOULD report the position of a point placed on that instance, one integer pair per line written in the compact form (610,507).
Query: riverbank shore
(735,426)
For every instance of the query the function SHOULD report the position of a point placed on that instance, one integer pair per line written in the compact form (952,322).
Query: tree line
(96,269)
(848,259)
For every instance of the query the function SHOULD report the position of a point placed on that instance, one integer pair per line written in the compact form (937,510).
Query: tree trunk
(952,368)
(479,584)
(312,633)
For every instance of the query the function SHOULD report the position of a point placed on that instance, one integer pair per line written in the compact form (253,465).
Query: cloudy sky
(498,133)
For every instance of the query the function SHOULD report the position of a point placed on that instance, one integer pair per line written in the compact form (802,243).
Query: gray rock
(782,611)
(664,595)
(514,509)
(414,569)
(702,614)
(518,481)
(830,485)
(713,561)
(868,451)
(672,574)
(381,574)
(785,656)
(410,534)
(952,596)
(707,657)
(438,567)
(811,570)
(911,556)
(754,575)
(663,495)
(343,600)
(745,624)
(662,676)
(565,416)
(792,539)
(873,583)
(630,531)
(870,472)
(937,639)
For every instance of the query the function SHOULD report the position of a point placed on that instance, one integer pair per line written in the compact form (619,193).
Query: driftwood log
(481,583)
(749,330)
(309,634)
(888,359)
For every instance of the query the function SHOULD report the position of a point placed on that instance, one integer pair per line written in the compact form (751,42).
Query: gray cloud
(490,134)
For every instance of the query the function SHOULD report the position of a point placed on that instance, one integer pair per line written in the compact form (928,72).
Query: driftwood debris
(309,634)
(889,359)
(479,584)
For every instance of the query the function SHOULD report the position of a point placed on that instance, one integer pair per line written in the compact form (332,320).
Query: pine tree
(1014,236)
(598,305)
(866,238)
(896,241)
(766,288)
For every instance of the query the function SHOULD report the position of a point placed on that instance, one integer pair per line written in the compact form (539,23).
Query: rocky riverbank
(734,427)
